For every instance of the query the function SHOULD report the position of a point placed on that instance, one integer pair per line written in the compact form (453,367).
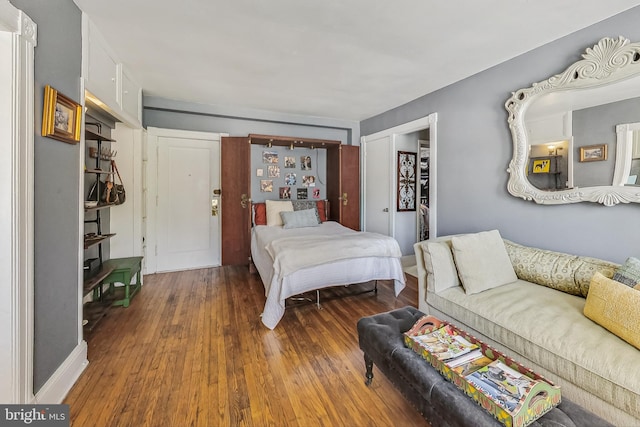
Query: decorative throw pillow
(629,272)
(299,205)
(274,207)
(614,306)
(441,269)
(299,219)
(570,274)
(482,261)
(259,214)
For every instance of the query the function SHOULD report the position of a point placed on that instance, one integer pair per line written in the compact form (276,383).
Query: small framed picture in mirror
(593,153)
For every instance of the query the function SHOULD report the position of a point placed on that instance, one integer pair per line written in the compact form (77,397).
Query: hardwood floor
(191,351)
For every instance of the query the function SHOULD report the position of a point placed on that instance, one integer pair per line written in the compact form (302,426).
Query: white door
(187,227)
(378,181)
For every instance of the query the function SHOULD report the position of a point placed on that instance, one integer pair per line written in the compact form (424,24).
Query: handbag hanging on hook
(118,189)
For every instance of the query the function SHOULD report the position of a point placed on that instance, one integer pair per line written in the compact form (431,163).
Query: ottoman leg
(368,362)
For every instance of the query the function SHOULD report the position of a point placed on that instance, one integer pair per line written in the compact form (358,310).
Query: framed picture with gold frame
(61,117)
(593,153)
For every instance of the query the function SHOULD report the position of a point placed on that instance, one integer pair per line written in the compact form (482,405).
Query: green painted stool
(123,270)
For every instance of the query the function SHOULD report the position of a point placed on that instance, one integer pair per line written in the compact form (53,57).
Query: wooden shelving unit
(96,309)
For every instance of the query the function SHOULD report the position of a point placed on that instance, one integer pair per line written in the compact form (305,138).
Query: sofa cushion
(549,327)
(567,273)
(440,266)
(629,272)
(616,307)
(482,261)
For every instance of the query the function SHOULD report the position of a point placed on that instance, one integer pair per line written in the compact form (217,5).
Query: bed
(293,259)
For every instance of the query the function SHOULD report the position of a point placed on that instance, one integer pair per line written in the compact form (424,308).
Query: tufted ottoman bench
(439,401)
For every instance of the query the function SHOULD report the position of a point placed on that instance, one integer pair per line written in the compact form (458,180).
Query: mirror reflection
(560,124)
(575,135)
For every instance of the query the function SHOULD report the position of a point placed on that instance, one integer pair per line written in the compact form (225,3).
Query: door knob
(214,207)
(244,201)
(345,200)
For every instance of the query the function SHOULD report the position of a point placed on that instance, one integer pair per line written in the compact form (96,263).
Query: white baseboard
(56,388)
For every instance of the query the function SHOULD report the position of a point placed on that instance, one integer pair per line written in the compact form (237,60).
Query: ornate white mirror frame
(611,60)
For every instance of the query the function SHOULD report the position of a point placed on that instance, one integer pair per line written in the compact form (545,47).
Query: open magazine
(505,386)
(445,343)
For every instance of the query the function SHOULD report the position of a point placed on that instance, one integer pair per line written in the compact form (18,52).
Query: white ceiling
(329,58)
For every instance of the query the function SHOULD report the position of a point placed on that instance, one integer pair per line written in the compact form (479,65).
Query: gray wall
(165,113)
(58,59)
(318,170)
(597,125)
(474,149)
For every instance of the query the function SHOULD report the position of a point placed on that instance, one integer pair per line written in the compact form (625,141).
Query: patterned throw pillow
(564,272)
(300,205)
(629,272)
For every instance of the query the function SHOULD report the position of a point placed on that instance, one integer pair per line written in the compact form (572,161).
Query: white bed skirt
(343,272)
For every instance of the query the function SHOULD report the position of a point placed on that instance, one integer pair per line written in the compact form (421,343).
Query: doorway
(380,182)
(183,202)
(17,44)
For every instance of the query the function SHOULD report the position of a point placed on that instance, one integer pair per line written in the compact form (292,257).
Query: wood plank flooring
(191,351)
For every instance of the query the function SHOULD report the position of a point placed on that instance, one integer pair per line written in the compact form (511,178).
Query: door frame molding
(151,179)
(428,122)
(16,192)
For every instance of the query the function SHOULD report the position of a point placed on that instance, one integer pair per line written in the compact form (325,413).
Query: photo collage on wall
(302,184)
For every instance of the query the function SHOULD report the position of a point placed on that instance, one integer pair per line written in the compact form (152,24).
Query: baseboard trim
(56,388)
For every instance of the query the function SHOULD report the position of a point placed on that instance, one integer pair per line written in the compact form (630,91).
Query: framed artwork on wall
(407,164)
(61,117)
(541,165)
(593,153)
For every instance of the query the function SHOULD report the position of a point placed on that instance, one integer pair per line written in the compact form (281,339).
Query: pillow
(274,207)
(570,274)
(441,269)
(299,205)
(482,261)
(321,210)
(311,204)
(299,219)
(629,272)
(614,306)
(259,214)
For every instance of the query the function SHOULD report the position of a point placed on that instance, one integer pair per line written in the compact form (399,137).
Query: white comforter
(294,261)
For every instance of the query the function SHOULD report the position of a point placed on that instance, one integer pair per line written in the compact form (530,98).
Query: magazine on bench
(505,386)
(512,393)
(446,343)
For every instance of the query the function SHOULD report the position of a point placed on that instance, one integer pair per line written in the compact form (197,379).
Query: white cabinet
(131,94)
(107,79)
(102,69)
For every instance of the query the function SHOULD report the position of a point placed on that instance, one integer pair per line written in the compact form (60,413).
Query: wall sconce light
(551,149)
(291,146)
(269,143)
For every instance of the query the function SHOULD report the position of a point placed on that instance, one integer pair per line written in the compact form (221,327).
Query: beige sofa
(529,303)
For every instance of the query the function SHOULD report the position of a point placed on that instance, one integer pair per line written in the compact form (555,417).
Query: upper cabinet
(107,79)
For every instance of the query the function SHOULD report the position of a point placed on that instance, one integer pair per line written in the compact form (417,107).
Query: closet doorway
(380,182)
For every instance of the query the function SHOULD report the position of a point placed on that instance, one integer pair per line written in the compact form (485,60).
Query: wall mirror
(576,135)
